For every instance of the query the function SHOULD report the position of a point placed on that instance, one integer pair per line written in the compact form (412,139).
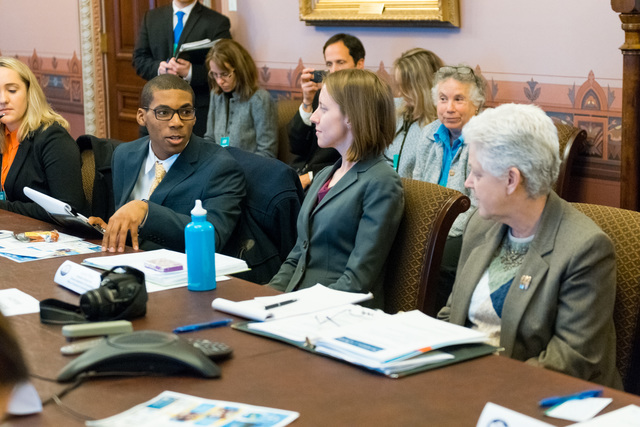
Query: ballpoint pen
(199,326)
(279,304)
(556,400)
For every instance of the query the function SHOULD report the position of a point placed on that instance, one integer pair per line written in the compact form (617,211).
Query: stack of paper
(307,300)
(393,343)
(224,265)
(390,344)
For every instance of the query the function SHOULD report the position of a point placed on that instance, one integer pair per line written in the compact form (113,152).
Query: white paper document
(176,409)
(629,416)
(388,343)
(308,300)
(385,340)
(579,409)
(13,301)
(495,415)
(166,280)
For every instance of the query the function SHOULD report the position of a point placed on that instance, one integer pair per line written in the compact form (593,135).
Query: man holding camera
(341,52)
(158,178)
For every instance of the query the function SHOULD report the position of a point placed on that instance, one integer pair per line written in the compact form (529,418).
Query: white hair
(520,136)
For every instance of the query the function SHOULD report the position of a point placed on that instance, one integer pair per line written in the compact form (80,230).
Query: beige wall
(562,55)
(550,40)
(50,26)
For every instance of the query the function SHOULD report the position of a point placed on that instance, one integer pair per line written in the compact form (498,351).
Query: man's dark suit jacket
(304,144)
(266,231)
(155,44)
(203,171)
(48,161)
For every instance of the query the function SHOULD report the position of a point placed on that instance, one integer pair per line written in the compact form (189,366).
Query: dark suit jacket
(48,161)
(304,144)
(155,44)
(564,320)
(202,171)
(343,242)
(266,232)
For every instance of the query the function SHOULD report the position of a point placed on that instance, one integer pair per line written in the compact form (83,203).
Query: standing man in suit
(341,52)
(158,178)
(163,31)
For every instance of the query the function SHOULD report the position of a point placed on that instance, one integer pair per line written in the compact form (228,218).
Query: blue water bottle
(200,242)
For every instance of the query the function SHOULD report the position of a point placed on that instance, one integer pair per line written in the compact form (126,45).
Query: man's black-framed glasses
(165,113)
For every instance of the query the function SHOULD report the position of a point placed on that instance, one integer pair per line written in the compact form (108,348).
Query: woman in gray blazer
(535,274)
(352,210)
(240,113)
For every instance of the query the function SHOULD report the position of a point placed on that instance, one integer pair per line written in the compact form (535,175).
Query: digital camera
(122,295)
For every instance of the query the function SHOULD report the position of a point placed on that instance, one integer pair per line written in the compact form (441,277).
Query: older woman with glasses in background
(240,113)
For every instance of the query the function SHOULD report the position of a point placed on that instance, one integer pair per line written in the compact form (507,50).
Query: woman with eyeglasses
(414,72)
(458,94)
(240,113)
(352,211)
(36,149)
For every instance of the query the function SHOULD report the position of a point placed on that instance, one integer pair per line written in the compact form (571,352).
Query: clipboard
(61,213)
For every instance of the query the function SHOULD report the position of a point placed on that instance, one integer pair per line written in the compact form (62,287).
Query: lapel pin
(525,281)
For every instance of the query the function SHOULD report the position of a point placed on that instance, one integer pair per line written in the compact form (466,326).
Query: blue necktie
(177,31)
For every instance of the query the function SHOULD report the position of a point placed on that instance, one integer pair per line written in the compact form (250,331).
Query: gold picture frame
(415,13)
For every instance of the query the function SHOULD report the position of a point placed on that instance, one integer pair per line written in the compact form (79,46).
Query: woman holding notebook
(352,210)
(35,148)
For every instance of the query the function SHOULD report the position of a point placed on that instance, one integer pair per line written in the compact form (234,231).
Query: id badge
(396,157)
(3,196)
(224,141)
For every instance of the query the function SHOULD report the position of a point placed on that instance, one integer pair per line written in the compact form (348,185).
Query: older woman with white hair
(535,274)
(458,94)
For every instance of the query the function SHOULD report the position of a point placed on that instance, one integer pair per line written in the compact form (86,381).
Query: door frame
(93,71)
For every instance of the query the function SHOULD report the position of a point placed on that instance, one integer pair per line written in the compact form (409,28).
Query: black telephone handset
(142,352)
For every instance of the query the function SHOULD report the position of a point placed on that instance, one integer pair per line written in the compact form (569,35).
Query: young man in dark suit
(341,51)
(158,178)
(156,50)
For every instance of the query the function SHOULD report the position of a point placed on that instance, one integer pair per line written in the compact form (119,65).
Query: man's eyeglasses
(462,69)
(223,76)
(165,114)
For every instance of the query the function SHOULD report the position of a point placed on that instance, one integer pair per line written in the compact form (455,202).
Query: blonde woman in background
(36,149)
(414,73)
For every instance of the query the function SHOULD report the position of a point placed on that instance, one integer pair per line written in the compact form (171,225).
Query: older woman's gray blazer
(343,242)
(563,320)
(250,125)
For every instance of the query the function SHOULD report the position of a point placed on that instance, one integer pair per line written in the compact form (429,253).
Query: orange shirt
(11,138)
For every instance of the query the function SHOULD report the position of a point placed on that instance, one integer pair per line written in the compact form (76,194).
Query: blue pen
(556,400)
(199,326)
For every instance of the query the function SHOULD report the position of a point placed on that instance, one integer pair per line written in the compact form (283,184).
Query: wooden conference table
(269,373)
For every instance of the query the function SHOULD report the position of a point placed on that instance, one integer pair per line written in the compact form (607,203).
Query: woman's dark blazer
(48,160)
(343,242)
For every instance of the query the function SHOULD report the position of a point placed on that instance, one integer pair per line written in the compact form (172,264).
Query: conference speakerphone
(144,353)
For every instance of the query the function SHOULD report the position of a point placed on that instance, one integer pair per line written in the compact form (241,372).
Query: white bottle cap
(198,210)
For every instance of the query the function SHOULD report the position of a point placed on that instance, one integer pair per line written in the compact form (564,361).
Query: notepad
(315,298)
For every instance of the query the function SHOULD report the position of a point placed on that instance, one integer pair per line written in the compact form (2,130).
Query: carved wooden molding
(630,156)
(95,115)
